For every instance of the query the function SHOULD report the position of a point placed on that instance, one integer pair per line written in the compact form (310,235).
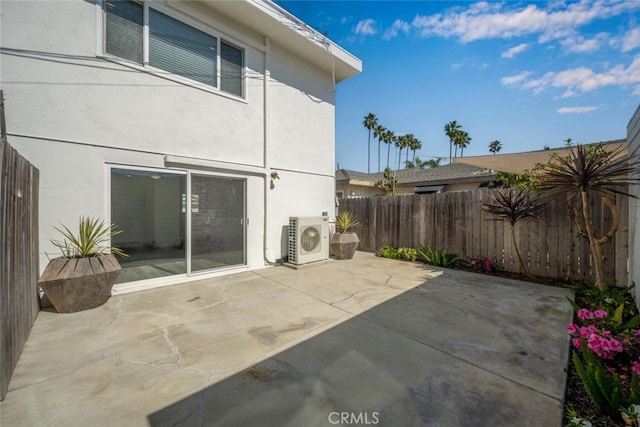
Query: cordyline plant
(91,239)
(345,221)
(588,172)
(513,205)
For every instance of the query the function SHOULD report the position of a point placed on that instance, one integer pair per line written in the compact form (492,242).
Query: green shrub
(388,252)
(605,389)
(439,258)
(408,254)
(612,299)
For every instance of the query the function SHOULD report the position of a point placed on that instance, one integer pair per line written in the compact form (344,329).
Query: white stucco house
(170,118)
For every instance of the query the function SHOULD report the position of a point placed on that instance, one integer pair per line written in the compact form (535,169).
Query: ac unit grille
(308,240)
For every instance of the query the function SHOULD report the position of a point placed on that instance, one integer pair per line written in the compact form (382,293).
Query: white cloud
(470,62)
(366,27)
(580,79)
(576,110)
(510,53)
(578,44)
(500,20)
(631,40)
(398,26)
(514,80)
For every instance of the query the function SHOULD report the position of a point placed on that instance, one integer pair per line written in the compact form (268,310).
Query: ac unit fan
(308,239)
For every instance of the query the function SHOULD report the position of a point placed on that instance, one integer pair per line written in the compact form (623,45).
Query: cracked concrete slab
(279,347)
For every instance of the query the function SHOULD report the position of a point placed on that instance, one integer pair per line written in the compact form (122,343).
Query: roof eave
(283,28)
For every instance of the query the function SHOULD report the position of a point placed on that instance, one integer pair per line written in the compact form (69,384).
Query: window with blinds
(172,46)
(124,30)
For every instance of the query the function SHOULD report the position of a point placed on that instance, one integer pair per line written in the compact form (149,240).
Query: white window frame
(187,20)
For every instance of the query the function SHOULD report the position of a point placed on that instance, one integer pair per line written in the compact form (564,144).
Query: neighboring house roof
(455,172)
(283,28)
(518,162)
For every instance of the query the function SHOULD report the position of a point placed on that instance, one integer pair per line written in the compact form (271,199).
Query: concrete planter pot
(76,284)
(344,245)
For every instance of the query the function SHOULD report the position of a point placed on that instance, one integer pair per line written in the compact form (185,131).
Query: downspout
(265,146)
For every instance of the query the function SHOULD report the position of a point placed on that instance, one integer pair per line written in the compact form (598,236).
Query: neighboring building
(633,139)
(453,177)
(519,162)
(170,118)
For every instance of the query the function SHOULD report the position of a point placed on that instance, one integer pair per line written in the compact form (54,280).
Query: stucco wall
(633,141)
(72,114)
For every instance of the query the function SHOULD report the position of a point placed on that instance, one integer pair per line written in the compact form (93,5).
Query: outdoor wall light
(275,176)
(156,177)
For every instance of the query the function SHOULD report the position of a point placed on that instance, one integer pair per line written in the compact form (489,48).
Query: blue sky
(528,74)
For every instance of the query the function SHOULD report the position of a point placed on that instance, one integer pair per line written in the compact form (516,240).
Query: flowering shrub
(607,358)
(482,264)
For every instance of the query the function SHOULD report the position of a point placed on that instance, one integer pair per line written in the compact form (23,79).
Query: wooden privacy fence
(19,302)
(453,221)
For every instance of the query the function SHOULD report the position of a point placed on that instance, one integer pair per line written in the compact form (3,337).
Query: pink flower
(594,342)
(584,314)
(600,314)
(585,331)
(615,345)
(572,328)
(576,342)
(635,367)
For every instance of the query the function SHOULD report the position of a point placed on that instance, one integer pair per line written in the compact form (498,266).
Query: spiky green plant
(604,388)
(345,221)
(513,205)
(440,258)
(586,172)
(92,239)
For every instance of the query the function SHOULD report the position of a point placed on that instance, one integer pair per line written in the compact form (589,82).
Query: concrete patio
(367,341)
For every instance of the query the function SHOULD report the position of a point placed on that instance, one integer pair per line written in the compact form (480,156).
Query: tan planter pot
(344,245)
(76,284)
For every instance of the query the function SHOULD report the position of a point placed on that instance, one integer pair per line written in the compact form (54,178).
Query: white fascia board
(346,65)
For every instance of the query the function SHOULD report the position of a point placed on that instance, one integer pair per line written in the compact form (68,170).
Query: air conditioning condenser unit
(308,239)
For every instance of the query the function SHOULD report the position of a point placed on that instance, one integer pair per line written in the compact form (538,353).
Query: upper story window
(149,37)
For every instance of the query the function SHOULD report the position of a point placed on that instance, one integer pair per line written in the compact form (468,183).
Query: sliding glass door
(147,206)
(217,222)
(177,223)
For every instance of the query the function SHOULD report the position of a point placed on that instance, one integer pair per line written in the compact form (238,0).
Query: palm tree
(409,144)
(422,164)
(463,139)
(588,172)
(370,121)
(431,163)
(451,129)
(495,146)
(389,138)
(401,142)
(378,133)
(415,146)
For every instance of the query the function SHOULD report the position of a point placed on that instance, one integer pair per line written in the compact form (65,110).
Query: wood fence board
(19,303)
(454,222)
